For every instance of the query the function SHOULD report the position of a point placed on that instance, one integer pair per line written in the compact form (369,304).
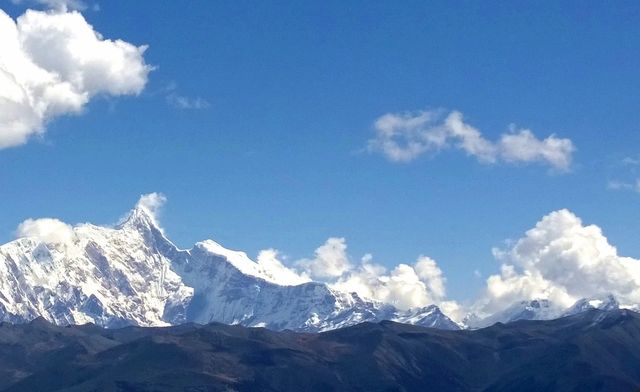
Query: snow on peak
(144,216)
(139,218)
(535,309)
(238,259)
(133,275)
(267,267)
(602,302)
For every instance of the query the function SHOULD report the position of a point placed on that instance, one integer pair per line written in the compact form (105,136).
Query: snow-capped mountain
(429,316)
(133,275)
(537,309)
(605,302)
(543,309)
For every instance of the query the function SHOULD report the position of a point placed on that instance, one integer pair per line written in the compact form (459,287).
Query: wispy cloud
(186,103)
(631,161)
(59,5)
(403,137)
(183,102)
(624,186)
(630,167)
(406,285)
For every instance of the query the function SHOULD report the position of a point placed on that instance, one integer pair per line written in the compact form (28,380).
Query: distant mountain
(133,275)
(605,302)
(543,309)
(594,350)
(537,309)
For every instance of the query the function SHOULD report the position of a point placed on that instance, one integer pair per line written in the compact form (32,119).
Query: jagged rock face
(133,275)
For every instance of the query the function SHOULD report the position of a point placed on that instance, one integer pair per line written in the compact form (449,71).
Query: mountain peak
(134,275)
(602,302)
(139,218)
(143,216)
(533,309)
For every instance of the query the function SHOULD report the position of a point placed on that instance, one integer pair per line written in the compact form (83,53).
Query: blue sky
(275,154)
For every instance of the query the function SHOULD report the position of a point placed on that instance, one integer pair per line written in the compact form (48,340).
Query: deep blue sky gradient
(277,159)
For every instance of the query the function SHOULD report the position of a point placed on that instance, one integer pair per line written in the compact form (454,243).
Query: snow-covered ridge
(133,275)
(544,309)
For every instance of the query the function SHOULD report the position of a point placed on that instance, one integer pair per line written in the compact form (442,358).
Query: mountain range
(594,350)
(132,274)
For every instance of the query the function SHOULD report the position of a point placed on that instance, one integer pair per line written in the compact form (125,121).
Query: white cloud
(562,260)
(403,137)
(405,286)
(48,230)
(271,266)
(152,203)
(429,273)
(52,64)
(330,260)
(523,146)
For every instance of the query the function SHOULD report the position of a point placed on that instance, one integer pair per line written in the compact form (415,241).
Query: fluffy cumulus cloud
(405,286)
(403,137)
(52,63)
(187,103)
(563,260)
(48,230)
(330,260)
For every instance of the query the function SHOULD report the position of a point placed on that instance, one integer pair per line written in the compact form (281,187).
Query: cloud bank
(403,137)
(562,260)
(52,64)
(406,285)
